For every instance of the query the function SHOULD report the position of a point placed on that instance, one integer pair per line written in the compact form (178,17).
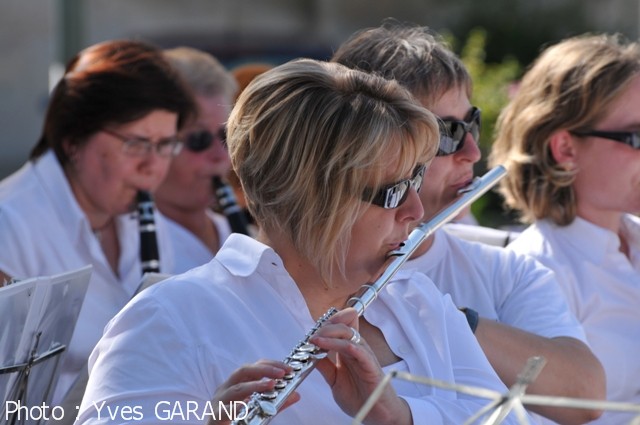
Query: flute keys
(269,395)
(267,409)
(301,357)
(295,365)
(307,348)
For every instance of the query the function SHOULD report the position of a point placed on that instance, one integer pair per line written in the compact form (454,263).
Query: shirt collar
(243,255)
(582,234)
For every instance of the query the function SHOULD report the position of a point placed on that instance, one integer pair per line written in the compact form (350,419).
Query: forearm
(571,369)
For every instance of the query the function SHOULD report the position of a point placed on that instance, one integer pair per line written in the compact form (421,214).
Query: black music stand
(39,316)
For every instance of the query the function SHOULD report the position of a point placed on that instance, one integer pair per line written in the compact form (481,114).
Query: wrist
(472,318)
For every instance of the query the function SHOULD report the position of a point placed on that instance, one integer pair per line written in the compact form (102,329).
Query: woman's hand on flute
(244,381)
(353,371)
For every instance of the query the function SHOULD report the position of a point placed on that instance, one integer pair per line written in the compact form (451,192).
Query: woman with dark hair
(109,132)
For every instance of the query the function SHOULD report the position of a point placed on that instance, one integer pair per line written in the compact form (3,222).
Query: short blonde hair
(307,137)
(202,72)
(569,87)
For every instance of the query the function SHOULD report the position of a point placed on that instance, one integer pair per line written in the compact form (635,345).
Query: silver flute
(262,407)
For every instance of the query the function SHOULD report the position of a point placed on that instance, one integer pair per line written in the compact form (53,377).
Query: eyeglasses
(200,140)
(454,132)
(629,138)
(140,146)
(394,195)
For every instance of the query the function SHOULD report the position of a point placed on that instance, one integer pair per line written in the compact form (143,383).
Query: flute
(149,256)
(229,206)
(262,407)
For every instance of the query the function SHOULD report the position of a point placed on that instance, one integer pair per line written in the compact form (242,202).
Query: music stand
(501,404)
(39,316)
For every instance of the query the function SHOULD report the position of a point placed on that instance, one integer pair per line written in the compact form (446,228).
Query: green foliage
(491,84)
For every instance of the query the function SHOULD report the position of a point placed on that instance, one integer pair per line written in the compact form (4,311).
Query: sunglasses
(454,132)
(393,195)
(629,138)
(200,140)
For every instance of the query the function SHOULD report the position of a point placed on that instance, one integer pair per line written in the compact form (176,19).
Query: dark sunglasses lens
(396,195)
(451,138)
(475,125)
(199,141)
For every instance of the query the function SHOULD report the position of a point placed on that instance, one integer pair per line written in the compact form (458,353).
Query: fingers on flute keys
(256,377)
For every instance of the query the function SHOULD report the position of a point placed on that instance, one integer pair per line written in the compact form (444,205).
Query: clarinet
(230,208)
(149,257)
(262,407)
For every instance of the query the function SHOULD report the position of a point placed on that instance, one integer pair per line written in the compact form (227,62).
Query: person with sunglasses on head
(570,139)
(513,303)
(110,131)
(186,196)
(331,160)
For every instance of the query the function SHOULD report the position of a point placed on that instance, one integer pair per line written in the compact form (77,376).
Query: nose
(153,168)
(470,151)
(411,209)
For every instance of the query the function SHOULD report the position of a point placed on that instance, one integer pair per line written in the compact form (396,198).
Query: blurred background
(496,38)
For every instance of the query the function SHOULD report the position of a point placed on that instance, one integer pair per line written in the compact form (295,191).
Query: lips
(462,183)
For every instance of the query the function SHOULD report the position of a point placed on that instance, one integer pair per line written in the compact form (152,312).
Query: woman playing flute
(331,161)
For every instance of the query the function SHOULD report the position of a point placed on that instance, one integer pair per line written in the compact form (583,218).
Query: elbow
(594,387)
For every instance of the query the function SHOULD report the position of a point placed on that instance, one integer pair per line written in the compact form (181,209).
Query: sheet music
(39,316)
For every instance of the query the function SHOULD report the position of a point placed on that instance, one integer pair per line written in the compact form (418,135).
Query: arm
(571,369)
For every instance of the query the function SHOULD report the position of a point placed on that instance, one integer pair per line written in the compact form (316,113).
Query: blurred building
(37,37)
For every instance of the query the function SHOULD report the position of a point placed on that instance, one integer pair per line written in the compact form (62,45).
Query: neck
(423,248)
(604,218)
(194,220)
(319,294)
(611,221)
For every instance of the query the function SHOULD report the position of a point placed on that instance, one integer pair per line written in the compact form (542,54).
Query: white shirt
(186,249)
(487,235)
(499,285)
(180,339)
(43,231)
(603,290)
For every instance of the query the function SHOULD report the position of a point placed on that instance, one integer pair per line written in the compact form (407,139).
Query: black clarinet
(149,257)
(230,208)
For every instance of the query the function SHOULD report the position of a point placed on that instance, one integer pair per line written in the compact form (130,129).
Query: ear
(562,146)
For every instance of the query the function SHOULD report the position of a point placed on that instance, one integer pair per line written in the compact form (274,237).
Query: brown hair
(412,55)
(111,82)
(569,87)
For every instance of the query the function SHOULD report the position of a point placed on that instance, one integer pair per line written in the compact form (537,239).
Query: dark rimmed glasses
(395,194)
(139,146)
(454,132)
(629,138)
(200,140)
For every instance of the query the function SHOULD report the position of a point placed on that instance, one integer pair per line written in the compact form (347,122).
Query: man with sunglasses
(186,196)
(512,303)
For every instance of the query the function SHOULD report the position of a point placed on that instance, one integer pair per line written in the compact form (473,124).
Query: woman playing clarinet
(199,172)
(110,131)
(331,161)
